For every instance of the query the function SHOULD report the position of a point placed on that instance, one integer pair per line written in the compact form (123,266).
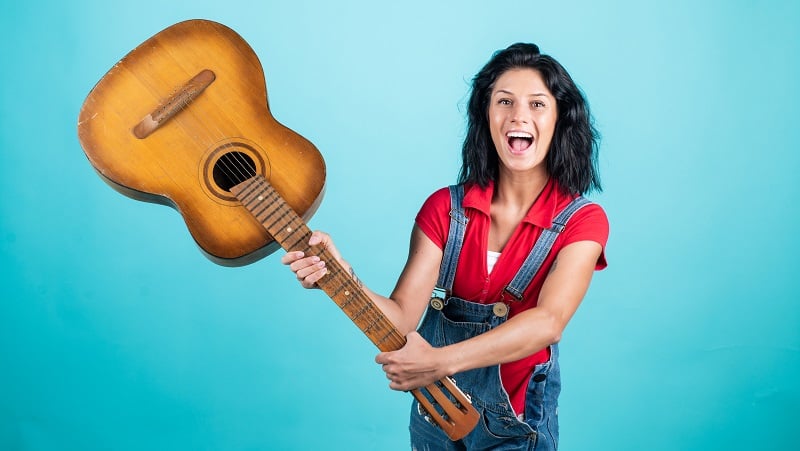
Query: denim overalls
(452,319)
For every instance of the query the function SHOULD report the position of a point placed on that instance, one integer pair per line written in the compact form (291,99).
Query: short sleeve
(590,223)
(433,217)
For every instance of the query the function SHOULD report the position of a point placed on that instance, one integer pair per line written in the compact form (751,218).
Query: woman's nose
(521,114)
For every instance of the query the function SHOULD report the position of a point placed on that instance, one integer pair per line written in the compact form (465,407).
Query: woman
(530,150)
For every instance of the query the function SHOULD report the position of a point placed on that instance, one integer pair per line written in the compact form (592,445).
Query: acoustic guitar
(183,120)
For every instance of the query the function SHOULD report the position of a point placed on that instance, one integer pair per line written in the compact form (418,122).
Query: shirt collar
(541,213)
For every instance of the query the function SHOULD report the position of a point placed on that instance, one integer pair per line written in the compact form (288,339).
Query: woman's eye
(537,104)
(504,102)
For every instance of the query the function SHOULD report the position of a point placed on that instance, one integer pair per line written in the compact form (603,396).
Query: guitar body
(177,121)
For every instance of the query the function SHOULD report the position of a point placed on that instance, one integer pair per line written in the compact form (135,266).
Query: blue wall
(116,333)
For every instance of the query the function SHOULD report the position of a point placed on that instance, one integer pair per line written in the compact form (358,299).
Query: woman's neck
(511,201)
(518,193)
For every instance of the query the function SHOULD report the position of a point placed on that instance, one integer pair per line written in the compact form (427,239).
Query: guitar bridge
(174,104)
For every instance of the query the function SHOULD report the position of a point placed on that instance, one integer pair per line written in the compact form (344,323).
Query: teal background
(117,334)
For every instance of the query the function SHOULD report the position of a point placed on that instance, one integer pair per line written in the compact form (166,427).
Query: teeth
(519,135)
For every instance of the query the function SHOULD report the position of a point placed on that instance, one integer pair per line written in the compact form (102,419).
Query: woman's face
(522,119)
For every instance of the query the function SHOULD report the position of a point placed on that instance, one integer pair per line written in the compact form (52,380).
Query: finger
(383,358)
(398,386)
(324,240)
(305,272)
(318,237)
(408,382)
(290,257)
(304,263)
(311,280)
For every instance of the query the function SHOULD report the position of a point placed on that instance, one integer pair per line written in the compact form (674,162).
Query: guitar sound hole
(233,168)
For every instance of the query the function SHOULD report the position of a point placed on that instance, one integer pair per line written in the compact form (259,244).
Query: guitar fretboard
(290,231)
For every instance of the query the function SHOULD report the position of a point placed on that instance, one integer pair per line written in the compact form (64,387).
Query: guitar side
(166,123)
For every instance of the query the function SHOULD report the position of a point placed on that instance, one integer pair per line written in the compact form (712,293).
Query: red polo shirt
(474,283)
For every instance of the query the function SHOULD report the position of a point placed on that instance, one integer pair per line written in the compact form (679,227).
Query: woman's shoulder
(433,217)
(440,199)
(440,195)
(589,222)
(562,200)
(593,210)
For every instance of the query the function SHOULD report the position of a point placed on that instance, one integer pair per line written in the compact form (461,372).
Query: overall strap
(542,247)
(455,239)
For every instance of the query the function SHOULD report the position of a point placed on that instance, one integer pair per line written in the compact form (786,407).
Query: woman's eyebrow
(535,94)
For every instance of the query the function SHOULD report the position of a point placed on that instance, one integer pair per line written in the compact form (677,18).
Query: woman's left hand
(415,365)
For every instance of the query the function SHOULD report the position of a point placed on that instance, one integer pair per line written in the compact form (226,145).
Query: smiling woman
(514,246)
(117,333)
(522,118)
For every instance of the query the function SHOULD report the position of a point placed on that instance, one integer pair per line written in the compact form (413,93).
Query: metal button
(500,309)
(437,303)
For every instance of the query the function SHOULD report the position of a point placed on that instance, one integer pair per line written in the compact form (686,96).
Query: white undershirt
(491,259)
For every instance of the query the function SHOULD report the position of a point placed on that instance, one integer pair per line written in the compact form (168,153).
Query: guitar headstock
(447,407)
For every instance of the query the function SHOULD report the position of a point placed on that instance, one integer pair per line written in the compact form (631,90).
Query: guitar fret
(269,212)
(264,208)
(271,221)
(295,233)
(347,303)
(333,290)
(264,191)
(336,271)
(361,306)
(280,232)
(274,225)
(368,329)
(273,198)
(371,323)
(302,238)
(249,189)
(257,192)
(265,211)
(251,201)
(338,274)
(358,314)
(285,226)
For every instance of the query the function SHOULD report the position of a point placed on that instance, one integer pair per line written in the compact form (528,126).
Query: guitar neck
(446,405)
(290,231)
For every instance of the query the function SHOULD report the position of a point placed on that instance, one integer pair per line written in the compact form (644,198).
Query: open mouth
(519,141)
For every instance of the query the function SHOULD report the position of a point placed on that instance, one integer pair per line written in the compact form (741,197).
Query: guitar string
(377,315)
(238,169)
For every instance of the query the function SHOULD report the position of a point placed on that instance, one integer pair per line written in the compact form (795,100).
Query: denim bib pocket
(502,427)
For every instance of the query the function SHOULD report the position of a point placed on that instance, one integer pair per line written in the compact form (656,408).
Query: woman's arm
(418,364)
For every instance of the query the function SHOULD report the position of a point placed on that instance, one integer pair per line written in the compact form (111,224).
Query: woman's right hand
(309,268)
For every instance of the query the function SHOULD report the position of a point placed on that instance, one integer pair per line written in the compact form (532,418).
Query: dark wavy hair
(572,158)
